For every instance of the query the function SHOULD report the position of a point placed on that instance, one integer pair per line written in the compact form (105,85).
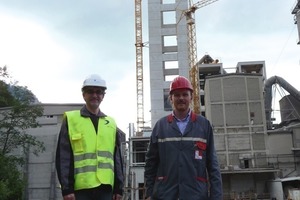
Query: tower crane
(192,56)
(192,50)
(139,65)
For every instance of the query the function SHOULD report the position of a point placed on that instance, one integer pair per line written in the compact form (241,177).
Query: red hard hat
(180,82)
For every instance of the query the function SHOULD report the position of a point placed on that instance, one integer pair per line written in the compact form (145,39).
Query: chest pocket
(77,142)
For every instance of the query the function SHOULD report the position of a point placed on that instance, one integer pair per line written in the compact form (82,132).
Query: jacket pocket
(158,189)
(77,143)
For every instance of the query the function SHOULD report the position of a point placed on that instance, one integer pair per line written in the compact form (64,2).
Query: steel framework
(139,65)
(192,50)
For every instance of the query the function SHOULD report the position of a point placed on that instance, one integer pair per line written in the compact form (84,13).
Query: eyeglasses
(91,91)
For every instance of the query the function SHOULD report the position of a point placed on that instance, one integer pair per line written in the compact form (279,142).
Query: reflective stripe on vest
(93,153)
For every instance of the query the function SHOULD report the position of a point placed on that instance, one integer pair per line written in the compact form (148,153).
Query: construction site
(259,156)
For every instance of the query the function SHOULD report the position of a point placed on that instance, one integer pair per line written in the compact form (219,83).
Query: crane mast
(192,56)
(192,50)
(139,65)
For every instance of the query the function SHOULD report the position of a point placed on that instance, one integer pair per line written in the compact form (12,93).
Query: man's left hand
(117,197)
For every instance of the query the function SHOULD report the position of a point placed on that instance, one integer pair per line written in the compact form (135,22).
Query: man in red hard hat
(180,82)
(181,162)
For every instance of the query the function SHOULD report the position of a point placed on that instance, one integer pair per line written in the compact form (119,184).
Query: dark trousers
(103,192)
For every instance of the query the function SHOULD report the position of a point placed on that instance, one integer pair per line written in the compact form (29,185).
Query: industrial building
(258,158)
(40,171)
(296,13)
(253,159)
(256,162)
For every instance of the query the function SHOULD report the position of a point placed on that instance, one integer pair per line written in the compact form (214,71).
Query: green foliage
(4,72)
(13,127)
(14,121)
(19,113)
(5,96)
(11,185)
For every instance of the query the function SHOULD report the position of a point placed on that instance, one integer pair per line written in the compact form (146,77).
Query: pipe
(268,95)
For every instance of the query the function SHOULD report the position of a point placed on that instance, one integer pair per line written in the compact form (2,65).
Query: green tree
(19,112)
(11,182)
(5,96)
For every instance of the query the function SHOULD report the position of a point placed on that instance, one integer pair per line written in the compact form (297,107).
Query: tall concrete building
(296,13)
(169,53)
(168,50)
(235,107)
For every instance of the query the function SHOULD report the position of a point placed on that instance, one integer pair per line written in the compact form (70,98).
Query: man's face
(181,99)
(93,96)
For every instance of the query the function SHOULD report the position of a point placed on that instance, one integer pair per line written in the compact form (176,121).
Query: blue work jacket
(182,166)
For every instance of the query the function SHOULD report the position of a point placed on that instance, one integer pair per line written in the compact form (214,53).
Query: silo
(289,108)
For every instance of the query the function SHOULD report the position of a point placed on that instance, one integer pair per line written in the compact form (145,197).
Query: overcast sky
(51,46)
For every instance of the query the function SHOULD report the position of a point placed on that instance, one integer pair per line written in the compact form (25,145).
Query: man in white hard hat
(88,157)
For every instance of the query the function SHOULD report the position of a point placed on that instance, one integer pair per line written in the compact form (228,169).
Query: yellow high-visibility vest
(93,153)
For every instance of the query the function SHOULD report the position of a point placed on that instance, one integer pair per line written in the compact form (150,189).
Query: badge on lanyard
(199,148)
(198,154)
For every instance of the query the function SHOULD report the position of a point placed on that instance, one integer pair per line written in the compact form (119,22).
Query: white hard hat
(94,80)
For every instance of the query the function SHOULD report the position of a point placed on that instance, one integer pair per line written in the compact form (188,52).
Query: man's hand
(117,197)
(69,197)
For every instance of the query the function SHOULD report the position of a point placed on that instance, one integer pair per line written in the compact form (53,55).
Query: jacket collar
(170,117)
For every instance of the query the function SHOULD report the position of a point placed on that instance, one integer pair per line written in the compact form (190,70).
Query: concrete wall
(40,170)
(242,186)
(283,151)
(168,55)
(41,174)
(298,25)
(235,107)
(137,184)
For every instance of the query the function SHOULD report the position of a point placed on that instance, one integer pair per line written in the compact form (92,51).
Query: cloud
(120,102)
(51,46)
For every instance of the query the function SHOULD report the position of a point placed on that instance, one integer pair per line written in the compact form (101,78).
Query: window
(171,64)
(169,17)
(170,40)
(167,103)
(139,151)
(168,1)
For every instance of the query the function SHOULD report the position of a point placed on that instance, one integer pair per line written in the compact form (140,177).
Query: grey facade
(168,51)
(252,158)
(248,152)
(40,170)
(235,106)
(296,13)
